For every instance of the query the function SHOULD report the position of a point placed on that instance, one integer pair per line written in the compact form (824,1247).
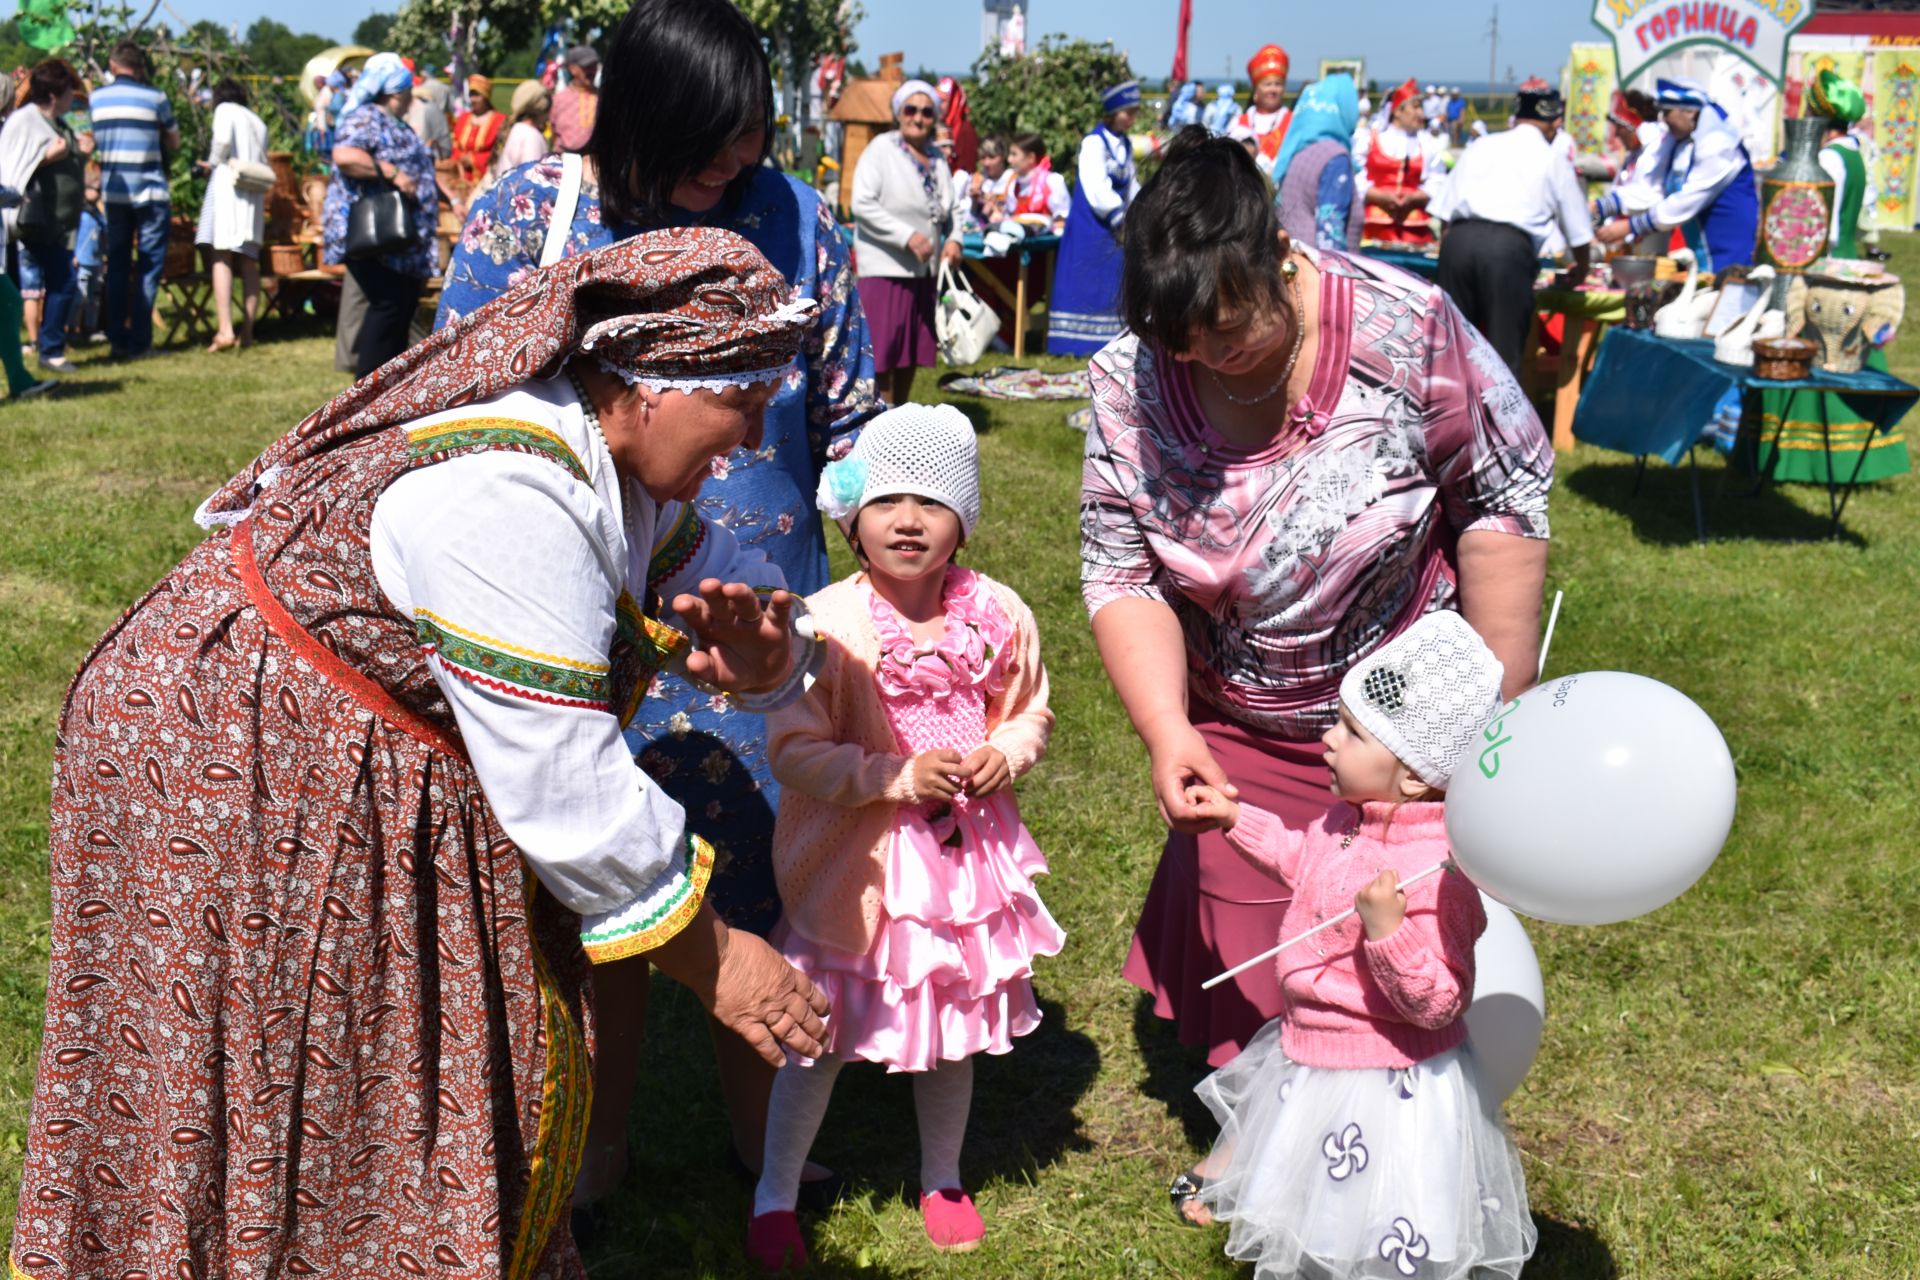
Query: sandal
(222,344)
(1188,1185)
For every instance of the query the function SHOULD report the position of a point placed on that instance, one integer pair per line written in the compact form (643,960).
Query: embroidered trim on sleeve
(439,441)
(676,546)
(512,669)
(666,907)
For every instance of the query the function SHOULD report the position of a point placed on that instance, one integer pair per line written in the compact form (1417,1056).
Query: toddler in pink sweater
(905,870)
(1355,1140)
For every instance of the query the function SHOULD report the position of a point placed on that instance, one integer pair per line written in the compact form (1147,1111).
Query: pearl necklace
(592,417)
(1292,273)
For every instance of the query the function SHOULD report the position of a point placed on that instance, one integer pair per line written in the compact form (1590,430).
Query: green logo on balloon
(1490,755)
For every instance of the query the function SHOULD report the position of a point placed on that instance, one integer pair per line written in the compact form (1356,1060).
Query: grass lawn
(1727,1088)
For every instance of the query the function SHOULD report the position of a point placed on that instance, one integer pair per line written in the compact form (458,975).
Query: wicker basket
(1783,359)
(286,259)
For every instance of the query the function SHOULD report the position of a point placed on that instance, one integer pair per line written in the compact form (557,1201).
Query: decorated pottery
(1796,201)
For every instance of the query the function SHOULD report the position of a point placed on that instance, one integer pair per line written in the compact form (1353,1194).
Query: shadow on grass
(1662,510)
(1172,1071)
(1568,1251)
(78,390)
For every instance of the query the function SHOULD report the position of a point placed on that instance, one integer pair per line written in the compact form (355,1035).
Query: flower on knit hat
(843,483)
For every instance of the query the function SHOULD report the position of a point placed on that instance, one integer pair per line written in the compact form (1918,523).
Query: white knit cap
(927,450)
(1426,693)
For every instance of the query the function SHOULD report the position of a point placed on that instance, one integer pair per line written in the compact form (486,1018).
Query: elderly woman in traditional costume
(1700,179)
(342,810)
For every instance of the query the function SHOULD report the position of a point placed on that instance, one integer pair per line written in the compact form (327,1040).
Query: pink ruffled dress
(949,973)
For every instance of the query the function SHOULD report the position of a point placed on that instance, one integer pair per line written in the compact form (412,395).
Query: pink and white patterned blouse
(1288,563)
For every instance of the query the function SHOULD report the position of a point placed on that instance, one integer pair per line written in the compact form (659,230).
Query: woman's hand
(1382,905)
(986,771)
(921,247)
(950,253)
(937,775)
(742,647)
(1615,232)
(747,986)
(403,183)
(1213,808)
(1180,760)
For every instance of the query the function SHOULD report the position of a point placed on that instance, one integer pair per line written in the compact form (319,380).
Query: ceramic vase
(1796,201)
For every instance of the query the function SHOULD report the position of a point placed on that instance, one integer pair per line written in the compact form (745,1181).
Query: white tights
(941,1100)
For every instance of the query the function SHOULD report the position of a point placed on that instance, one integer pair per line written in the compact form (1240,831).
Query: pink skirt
(1209,908)
(949,972)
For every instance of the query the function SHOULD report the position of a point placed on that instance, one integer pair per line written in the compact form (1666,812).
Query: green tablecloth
(1821,432)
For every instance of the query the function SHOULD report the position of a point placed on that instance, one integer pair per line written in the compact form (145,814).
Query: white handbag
(962,321)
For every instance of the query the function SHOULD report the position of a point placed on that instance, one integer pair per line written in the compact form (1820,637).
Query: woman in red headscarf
(957,120)
(1263,125)
(1391,159)
(342,811)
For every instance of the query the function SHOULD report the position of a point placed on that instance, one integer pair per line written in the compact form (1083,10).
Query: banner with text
(1754,30)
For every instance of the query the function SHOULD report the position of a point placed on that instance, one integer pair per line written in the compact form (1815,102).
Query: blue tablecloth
(975,246)
(1650,395)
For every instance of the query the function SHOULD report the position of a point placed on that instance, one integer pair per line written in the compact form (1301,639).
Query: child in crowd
(1037,191)
(89,262)
(1355,1139)
(898,848)
(980,198)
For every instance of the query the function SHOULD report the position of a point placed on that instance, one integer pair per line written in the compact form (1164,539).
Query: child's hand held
(936,774)
(1207,804)
(1382,905)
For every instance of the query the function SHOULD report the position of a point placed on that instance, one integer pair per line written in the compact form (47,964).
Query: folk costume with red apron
(1393,163)
(474,137)
(1266,130)
(316,1000)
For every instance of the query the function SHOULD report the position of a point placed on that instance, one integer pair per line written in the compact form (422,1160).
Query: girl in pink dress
(898,847)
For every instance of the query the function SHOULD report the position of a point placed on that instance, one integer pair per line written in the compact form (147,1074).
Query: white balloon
(1595,798)
(1509,1009)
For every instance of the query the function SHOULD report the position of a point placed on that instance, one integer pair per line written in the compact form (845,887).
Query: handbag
(963,323)
(252,178)
(54,196)
(379,223)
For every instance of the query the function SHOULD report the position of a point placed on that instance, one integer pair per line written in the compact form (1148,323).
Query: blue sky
(1430,39)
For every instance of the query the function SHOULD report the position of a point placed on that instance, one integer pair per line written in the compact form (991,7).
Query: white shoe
(59,364)
(28,351)
(39,388)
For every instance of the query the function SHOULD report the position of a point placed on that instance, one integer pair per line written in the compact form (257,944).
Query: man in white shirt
(1509,195)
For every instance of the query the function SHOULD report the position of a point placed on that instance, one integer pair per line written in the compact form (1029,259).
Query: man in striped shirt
(134,133)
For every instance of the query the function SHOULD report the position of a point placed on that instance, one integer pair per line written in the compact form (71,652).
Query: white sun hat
(927,450)
(1426,693)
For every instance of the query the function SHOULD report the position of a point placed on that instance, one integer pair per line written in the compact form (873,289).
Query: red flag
(1180,48)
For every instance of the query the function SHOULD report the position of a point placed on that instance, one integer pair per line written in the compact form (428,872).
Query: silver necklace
(1293,357)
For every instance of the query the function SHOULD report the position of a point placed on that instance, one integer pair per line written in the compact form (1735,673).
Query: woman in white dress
(233,216)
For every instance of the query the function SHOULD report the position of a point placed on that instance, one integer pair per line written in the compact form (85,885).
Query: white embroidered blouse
(515,566)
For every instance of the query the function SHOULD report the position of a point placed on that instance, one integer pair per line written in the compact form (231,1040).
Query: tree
(800,33)
(483,32)
(273,47)
(1053,91)
(374,31)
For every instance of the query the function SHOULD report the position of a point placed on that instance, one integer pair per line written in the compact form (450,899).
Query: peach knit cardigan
(842,775)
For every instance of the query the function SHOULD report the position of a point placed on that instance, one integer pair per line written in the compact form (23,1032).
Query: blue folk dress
(705,754)
(1083,314)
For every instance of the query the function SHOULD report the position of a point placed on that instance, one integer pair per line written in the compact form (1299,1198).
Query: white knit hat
(927,450)
(1426,693)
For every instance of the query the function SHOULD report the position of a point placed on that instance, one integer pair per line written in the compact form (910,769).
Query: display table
(1019,299)
(1651,396)
(1585,311)
(1422,262)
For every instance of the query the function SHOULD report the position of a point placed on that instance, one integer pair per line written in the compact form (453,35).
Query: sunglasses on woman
(923,113)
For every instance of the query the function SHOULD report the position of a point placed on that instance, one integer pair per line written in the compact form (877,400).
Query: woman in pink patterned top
(1294,456)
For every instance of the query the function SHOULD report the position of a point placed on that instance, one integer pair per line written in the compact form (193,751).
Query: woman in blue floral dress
(668,65)
(372,149)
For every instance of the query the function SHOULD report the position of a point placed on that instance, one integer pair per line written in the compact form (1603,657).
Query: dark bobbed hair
(1031,143)
(49,80)
(1202,236)
(682,81)
(229,90)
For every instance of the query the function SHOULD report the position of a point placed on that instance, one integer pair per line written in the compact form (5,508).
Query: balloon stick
(1271,952)
(1547,643)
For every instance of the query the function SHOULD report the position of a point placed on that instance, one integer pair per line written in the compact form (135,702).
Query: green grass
(1727,1088)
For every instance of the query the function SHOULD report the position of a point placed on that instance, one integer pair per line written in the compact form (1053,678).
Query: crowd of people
(487,694)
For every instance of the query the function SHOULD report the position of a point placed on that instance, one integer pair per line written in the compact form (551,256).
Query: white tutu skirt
(1363,1172)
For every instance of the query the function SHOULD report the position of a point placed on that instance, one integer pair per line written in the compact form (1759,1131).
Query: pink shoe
(774,1242)
(953,1224)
